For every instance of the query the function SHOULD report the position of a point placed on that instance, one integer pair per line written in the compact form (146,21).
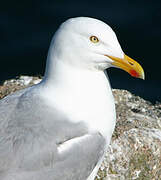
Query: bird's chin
(102,66)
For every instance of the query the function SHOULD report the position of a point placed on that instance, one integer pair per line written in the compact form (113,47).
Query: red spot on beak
(134,73)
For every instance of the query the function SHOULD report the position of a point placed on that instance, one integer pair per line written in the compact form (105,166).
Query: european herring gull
(60,128)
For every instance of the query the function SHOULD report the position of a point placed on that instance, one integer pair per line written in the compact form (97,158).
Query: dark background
(26,28)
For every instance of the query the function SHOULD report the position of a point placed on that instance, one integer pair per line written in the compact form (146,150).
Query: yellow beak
(128,65)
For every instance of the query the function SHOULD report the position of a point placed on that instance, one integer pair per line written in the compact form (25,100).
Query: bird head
(90,43)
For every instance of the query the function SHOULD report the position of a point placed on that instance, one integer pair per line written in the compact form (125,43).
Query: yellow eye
(94,39)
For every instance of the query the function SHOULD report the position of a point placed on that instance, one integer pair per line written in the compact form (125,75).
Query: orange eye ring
(94,39)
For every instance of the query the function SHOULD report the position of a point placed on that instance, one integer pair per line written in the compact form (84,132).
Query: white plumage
(60,128)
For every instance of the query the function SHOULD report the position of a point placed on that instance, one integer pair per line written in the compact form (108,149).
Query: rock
(135,149)
(13,85)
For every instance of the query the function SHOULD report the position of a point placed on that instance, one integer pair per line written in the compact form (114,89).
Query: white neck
(81,94)
(59,73)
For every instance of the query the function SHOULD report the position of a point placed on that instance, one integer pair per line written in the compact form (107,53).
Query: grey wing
(33,137)
(76,161)
(7,106)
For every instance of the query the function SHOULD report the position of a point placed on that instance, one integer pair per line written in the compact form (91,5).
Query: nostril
(131,63)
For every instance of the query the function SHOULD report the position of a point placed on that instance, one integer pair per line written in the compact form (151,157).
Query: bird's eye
(94,39)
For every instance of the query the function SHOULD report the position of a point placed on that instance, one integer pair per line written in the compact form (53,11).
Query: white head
(90,43)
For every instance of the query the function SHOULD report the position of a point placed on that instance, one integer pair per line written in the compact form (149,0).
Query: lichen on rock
(135,149)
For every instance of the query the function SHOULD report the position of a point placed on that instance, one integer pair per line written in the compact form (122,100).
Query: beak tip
(142,75)
(137,74)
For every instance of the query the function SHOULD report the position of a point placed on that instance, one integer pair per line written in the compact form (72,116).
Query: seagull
(61,127)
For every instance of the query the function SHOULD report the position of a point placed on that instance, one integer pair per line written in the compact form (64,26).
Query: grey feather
(29,141)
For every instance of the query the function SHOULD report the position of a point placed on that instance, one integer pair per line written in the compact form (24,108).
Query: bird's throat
(83,95)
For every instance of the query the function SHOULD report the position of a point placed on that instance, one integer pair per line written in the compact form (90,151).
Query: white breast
(84,96)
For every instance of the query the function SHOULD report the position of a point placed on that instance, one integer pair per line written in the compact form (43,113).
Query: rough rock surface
(135,149)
